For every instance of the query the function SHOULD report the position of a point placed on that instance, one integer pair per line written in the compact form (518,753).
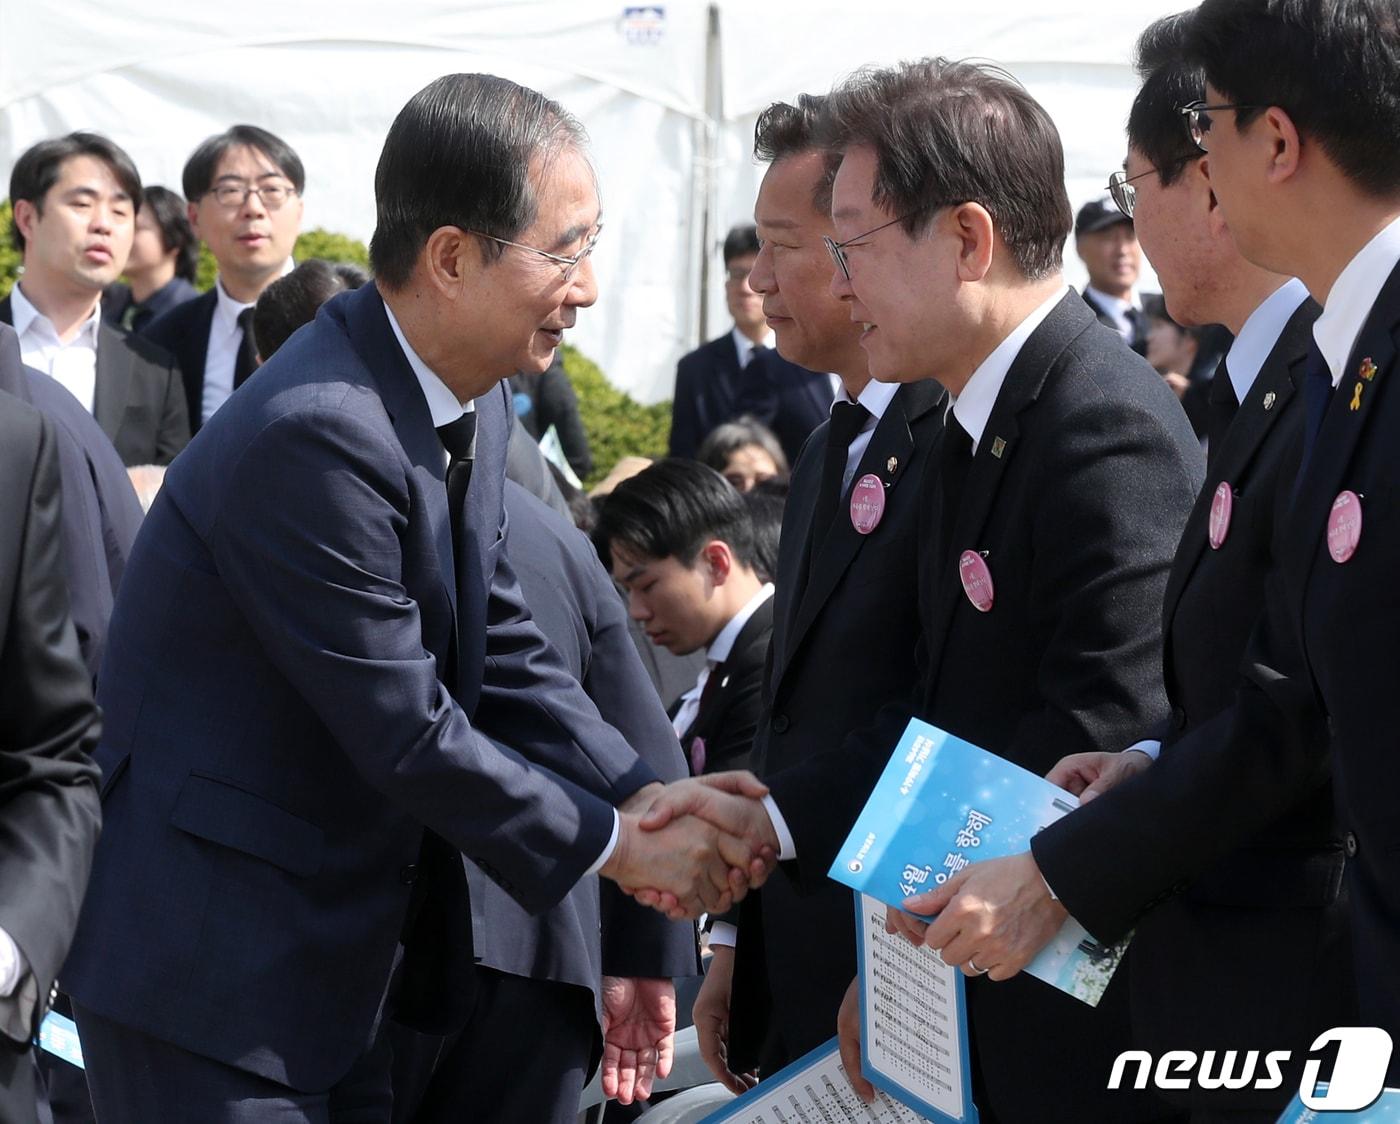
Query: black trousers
(526,1053)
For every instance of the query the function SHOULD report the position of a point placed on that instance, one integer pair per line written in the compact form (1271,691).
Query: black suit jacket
(117,303)
(48,725)
(728,719)
(101,513)
(1139,341)
(707,385)
(1076,497)
(1322,665)
(1271,912)
(576,605)
(292,673)
(137,401)
(184,332)
(790,400)
(843,645)
(549,400)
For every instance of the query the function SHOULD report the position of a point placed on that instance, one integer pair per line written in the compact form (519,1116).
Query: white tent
(668,91)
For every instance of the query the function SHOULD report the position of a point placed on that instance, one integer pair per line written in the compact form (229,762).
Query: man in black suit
(578,966)
(680,542)
(1270,912)
(48,725)
(839,583)
(101,514)
(244,188)
(1107,244)
(708,379)
(317,607)
(1054,501)
(74,199)
(1323,661)
(160,269)
(789,399)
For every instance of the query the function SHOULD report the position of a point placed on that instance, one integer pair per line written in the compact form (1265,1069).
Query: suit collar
(1342,427)
(722,646)
(443,406)
(1261,334)
(1278,380)
(1353,297)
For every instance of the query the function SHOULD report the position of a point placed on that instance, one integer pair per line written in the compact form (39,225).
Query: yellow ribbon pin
(1356,396)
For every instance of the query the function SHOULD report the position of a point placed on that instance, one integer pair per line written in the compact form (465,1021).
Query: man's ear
(26,217)
(1284,145)
(976,233)
(718,559)
(450,257)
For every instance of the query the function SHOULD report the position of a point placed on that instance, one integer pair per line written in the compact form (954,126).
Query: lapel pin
(1269,400)
(998,447)
(892,464)
(1368,369)
(867,503)
(1356,396)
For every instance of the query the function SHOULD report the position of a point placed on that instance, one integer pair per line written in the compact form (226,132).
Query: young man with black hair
(679,540)
(244,188)
(160,270)
(1297,98)
(75,199)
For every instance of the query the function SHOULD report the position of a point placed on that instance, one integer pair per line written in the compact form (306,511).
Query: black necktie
(1317,393)
(847,420)
(1137,338)
(955,458)
(756,355)
(1221,407)
(247,361)
(459,439)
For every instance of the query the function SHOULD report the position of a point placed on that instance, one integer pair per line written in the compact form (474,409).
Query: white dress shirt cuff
(609,849)
(787,849)
(1148,746)
(12,965)
(723,935)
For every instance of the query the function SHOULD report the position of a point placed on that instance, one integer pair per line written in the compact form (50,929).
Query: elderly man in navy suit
(313,616)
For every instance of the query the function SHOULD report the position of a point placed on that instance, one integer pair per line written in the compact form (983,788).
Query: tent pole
(709,158)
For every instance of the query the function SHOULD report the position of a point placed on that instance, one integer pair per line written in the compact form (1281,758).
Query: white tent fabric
(669,93)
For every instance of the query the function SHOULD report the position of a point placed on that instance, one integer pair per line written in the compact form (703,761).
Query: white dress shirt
(876,398)
(72,364)
(1354,292)
(718,651)
(221,354)
(1117,309)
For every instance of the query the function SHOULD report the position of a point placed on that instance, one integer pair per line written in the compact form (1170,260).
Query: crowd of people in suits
(415,767)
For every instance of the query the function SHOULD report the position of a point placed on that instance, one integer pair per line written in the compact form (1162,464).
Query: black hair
(946,133)
(784,129)
(198,176)
(741,241)
(1155,125)
(291,301)
(460,154)
(38,169)
(168,211)
(671,509)
(1332,65)
(766,514)
(726,439)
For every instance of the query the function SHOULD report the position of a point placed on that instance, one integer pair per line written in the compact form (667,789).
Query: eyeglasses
(1124,194)
(570,264)
(1198,120)
(837,250)
(233,193)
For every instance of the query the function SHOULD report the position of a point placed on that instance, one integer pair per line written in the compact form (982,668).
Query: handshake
(694,846)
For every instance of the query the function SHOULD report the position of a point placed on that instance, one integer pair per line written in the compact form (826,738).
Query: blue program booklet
(943,803)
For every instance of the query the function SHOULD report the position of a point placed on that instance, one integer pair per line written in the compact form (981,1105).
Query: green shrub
(616,423)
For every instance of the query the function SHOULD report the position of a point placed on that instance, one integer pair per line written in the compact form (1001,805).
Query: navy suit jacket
(1321,669)
(577,606)
(100,513)
(137,401)
(279,733)
(184,332)
(790,400)
(707,385)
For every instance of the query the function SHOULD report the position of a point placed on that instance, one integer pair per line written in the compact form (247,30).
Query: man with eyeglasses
(75,201)
(244,188)
(323,691)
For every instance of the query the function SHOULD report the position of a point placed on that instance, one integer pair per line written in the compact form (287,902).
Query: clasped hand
(694,846)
